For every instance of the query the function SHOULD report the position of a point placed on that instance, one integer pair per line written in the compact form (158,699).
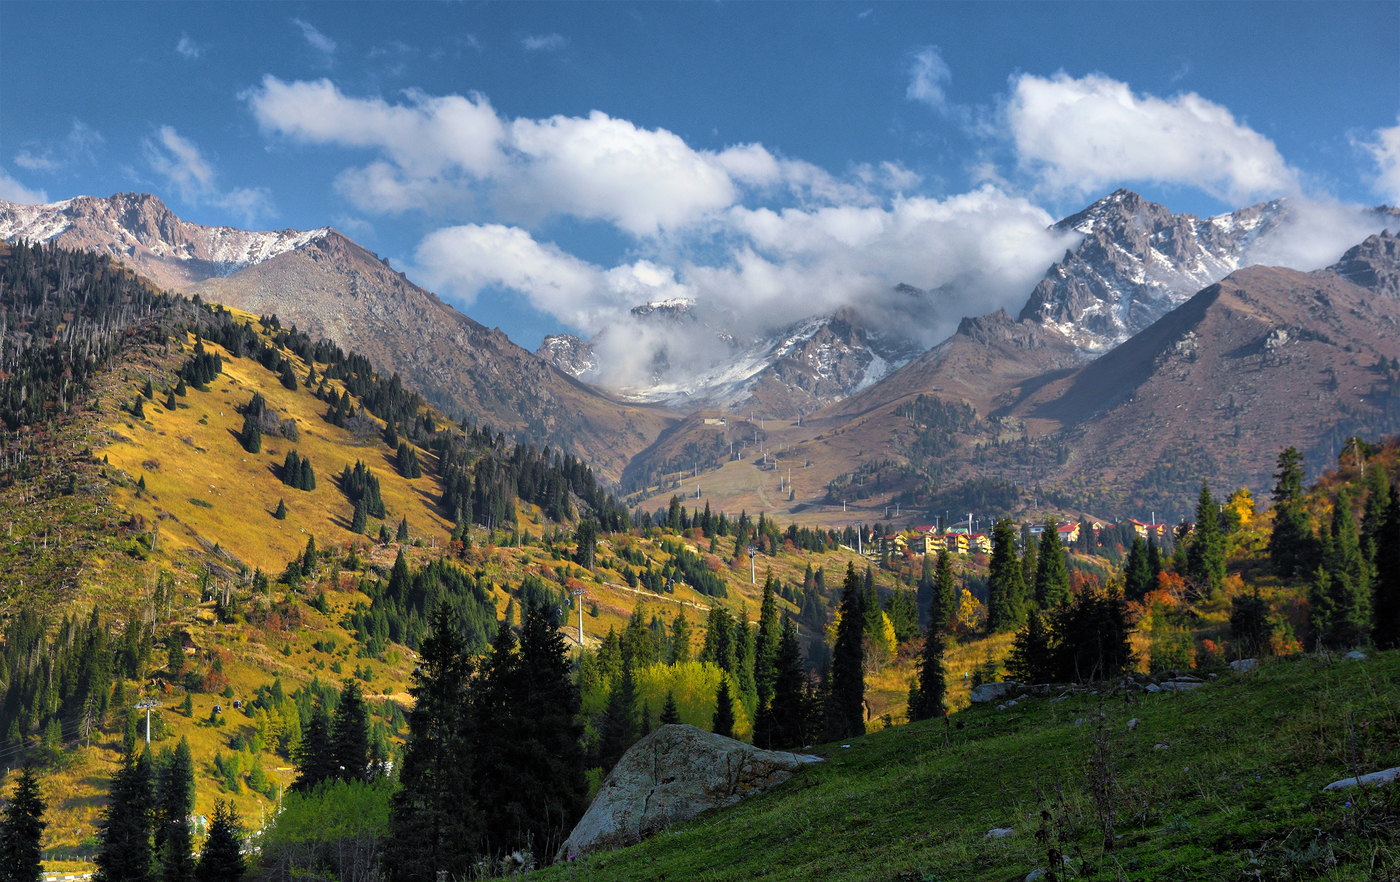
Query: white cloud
(317,40)
(13,191)
(185,169)
(928,78)
(80,145)
(188,48)
(1313,234)
(1085,135)
(545,43)
(1385,150)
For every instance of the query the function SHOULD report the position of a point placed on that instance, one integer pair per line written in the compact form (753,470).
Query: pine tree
(1339,607)
(281,513)
(1051,573)
(945,592)
(619,728)
(172,822)
(670,714)
(766,646)
(846,709)
(680,639)
(149,391)
(1205,556)
(391,436)
(932,678)
(124,852)
(433,823)
(170,400)
(358,520)
(402,535)
(1385,586)
(181,389)
(138,409)
(1291,545)
(787,714)
(350,734)
(1029,564)
(1030,660)
(1137,578)
(1006,590)
(723,722)
(314,759)
(1154,559)
(22,830)
(289,379)
(222,857)
(251,436)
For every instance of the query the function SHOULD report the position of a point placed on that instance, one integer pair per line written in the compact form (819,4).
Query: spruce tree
(1051,574)
(350,734)
(680,639)
(281,512)
(932,678)
(149,391)
(1030,660)
(619,727)
(723,721)
(766,646)
(1006,590)
(402,535)
(358,520)
(222,857)
(788,712)
(138,409)
(314,759)
(1029,564)
(1339,607)
(846,709)
(181,389)
(945,592)
(1137,579)
(1154,559)
(170,400)
(124,850)
(670,714)
(1291,544)
(251,436)
(1205,556)
(172,822)
(22,830)
(391,436)
(1385,586)
(433,821)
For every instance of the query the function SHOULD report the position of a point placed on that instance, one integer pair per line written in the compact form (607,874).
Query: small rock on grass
(1133,723)
(1382,777)
(1356,655)
(1244,665)
(1000,833)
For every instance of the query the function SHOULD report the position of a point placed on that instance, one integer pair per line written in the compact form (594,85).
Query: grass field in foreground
(1221,783)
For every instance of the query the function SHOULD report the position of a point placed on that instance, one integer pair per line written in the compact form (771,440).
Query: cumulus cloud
(1090,134)
(188,48)
(317,40)
(544,43)
(185,169)
(80,145)
(1385,150)
(13,191)
(928,78)
(1314,233)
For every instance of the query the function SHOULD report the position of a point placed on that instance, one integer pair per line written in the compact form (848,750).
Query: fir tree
(1006,589)
(181,389)
(350,734)
(788,712)
(1339,604)
(402,535)
(22,830)
(1385,586)
(358,520)
(138,409)
(1137,578)
(670,714)
(124,851)
(1030,660)
(1291,544)
(281,513)
(1154,559)
(222,857)
(315,762)
(391,436)
(251,436)
(1029,564)
(149,391)
(766,646)
(433,823)
(932,678)
(723,722)
(680,639)
(945,592)
(1205,556)
(846,709)
(1051,573)
(170,400)
(172,822)
(619,727)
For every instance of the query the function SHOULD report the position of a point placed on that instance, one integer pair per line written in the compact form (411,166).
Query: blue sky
(546,166)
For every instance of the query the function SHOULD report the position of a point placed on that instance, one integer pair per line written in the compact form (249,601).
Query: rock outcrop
(672,775)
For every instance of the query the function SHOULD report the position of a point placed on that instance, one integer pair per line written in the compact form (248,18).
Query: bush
(333,832)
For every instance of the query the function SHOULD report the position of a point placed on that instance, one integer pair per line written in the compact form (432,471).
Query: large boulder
(989,692)
(672,775)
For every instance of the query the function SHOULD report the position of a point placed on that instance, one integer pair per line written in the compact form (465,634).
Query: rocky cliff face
(1137,262)
(568,353)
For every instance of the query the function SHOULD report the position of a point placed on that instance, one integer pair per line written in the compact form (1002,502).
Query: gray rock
(1383,777)
(1000,833)
(1133,723)
(1244,665)
(1035,875)
(672,775)
(1356,655)
(990,692)
(1181,685)
(1153,687)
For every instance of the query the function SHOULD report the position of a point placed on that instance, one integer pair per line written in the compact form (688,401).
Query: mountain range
(1152,348)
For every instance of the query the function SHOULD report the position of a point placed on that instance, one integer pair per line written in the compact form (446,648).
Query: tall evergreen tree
(619,727)
(1029,564)
(723,722)
(928,698)
(314,757)
(251,435)
(1205,556)
(281,512)
(1030,660)
(1339,604)
(124,852)
(402,535)
(350,734)
(359,519)
(433,820)
(1154,559)
(669,712)
(1006,590)
(1291,544)
(175,804)
(1137,579)
(945,592)
(680,639)
(846,709)
(1377,504)
(222,857)
(1385,586)
(766,646)
(1051,572)
(22,830)
(788,711)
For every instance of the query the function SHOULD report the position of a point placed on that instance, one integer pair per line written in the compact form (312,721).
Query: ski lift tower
(578,599)
(753,578)
(146,705)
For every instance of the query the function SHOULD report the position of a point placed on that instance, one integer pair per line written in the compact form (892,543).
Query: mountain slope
(327,285)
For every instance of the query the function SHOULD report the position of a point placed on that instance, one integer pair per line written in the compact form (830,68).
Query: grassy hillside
(1221,783)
